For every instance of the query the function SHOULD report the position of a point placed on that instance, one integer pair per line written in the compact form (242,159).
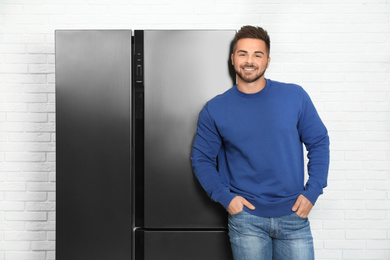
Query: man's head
(252,32)
(250,56)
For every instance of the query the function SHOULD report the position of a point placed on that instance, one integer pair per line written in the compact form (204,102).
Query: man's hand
(237,205)
(302,206)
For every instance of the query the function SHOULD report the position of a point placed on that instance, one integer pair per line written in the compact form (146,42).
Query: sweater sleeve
(314,135)
(206,146)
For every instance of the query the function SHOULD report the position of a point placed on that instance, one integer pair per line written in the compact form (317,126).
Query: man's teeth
(248,69)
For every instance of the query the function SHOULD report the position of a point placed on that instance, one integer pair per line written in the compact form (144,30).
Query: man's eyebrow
(247,52)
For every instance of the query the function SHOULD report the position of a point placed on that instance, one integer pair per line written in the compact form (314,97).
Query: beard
(251,77)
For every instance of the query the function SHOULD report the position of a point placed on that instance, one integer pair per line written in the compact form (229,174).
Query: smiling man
(248,156)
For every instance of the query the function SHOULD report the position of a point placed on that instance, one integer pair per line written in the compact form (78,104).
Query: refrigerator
(127,104)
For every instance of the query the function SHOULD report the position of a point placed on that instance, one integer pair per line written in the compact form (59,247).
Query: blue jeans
(280,238)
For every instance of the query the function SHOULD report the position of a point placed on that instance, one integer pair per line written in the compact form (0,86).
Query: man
(248,156)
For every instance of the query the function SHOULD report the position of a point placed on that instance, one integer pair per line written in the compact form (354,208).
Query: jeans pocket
(296,214)
(238,213)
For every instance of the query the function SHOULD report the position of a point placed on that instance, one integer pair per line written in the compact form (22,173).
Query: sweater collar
(253,95)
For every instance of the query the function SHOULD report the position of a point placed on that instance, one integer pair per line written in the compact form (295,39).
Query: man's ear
(269,61)
(232,58)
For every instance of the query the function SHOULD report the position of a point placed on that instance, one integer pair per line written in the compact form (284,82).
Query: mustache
(248,66)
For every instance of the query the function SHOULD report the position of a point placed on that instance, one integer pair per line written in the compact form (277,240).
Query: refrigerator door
(182,71)
(180,245)
(93,145)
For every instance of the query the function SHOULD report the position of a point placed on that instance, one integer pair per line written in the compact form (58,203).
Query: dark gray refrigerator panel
(93,73)
(183,245)
(182,70)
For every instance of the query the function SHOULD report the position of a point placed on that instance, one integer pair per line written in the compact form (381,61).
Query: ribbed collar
(253,95)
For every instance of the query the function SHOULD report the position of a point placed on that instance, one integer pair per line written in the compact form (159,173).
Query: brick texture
(338,50)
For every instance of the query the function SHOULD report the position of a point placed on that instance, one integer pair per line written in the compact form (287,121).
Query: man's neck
(251,88)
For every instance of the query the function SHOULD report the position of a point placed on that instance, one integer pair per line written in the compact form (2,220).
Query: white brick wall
(338,50)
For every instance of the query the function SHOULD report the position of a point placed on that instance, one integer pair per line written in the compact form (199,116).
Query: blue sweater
(257,141)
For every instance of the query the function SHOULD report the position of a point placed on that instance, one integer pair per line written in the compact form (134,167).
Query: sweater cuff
(226,198)
(312,194)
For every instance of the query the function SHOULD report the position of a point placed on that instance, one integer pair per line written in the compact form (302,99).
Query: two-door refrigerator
(126,109)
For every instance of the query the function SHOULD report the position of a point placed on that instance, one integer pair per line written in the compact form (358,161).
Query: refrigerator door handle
(138,127)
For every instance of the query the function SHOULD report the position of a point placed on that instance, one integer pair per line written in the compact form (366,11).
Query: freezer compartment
(93,144)
(179,245)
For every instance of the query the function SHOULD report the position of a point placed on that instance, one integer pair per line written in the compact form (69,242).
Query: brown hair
(252,32)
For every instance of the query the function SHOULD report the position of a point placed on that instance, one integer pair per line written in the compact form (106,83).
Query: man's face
(250,59)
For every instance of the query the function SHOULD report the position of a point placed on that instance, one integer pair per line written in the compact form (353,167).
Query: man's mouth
(249,69)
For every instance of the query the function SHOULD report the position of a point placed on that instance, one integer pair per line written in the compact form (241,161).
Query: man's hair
(252,32)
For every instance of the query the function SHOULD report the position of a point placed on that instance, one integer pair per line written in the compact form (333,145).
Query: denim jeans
(280,238)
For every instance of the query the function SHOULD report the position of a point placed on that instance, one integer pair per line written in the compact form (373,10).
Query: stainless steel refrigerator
(126,109)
